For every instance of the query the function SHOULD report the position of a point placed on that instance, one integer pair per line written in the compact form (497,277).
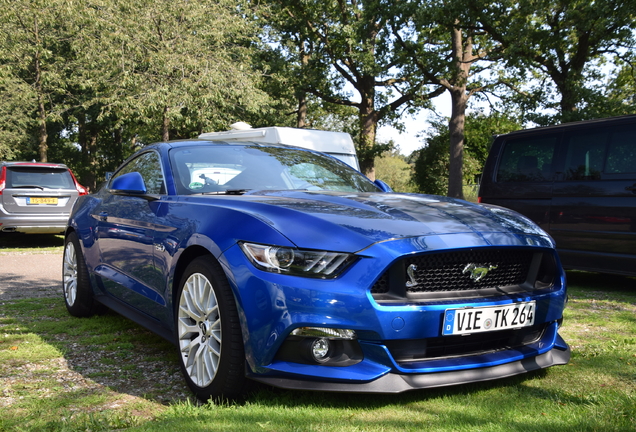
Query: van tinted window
(593,155)
(621,155)
(528,160)
(585,155)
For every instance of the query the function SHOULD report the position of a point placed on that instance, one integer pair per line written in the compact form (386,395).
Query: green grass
(596,391)
(17,242)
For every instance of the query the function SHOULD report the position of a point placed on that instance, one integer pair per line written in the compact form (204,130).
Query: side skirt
(140,318)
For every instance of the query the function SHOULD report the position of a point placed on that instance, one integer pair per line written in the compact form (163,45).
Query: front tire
(78,292)
(208,332)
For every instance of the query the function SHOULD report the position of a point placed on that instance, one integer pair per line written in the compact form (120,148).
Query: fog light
(320,349)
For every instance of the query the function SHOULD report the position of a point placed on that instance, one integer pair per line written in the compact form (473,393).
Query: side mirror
(131,184)
(383,186)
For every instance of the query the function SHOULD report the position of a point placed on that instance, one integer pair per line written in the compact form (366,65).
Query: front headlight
(297,262)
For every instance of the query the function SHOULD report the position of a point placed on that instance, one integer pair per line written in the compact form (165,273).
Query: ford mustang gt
(285,266)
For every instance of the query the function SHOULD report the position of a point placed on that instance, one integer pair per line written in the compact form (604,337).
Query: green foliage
(346,55)
(16,99)
(116,74)
(614,96)
(432,161)
(87,82)
(558,48)
(175,68)
(395,171)
(34,56)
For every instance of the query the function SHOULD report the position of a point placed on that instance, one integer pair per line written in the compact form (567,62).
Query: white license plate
(490,318)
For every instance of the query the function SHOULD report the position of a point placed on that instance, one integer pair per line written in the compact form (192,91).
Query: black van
(578,182)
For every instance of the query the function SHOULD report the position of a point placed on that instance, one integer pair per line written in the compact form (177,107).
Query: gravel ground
(30,275)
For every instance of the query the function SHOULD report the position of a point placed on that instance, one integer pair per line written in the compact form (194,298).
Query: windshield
(232,168)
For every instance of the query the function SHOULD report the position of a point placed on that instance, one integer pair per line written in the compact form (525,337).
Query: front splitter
(398,383)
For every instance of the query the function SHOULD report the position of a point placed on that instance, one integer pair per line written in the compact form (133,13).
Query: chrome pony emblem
(477,272)
(410,271)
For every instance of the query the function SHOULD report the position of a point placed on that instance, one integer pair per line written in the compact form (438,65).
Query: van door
(593,214)
(522,180)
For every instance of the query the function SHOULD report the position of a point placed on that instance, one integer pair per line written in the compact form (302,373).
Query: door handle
(103,216)
(631,188)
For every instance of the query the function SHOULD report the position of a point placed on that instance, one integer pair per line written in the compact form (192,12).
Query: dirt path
(29,275)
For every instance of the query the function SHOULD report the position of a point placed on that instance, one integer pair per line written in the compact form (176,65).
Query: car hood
(350,222)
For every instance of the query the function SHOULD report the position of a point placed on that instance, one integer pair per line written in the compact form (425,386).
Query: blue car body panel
(134,247)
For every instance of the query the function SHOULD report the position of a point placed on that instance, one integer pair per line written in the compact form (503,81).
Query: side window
(149,166)
(527,160)
(585,155)
(621,153)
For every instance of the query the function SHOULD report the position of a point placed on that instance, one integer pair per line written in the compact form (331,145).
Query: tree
(33,48)
(17,100)
(392,168)
(467,64)
(432,162)
(181,67)
(348,57)
(619,92)
(563,41)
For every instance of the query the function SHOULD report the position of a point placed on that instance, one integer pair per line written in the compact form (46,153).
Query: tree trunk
(301,115)
(368,128)
(37,69)
(165,125)
(463,55)
(88,144)
(91,176)
(456,129)
(569,98)
(301,95)
(42,134)
(82,141)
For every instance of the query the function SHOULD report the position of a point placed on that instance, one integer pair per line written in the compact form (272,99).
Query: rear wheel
(78,293)
(211,353)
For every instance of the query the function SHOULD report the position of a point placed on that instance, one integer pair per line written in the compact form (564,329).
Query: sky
(408,140)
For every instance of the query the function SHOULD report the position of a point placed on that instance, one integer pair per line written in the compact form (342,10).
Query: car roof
(618,119)
(34,164)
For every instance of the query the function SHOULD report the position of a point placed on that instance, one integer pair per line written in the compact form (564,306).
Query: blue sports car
(286,266)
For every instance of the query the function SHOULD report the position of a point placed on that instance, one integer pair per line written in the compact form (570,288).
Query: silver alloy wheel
(70,273)
(199,330)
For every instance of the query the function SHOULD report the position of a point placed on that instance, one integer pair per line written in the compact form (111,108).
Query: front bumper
(397,383)
(271,306)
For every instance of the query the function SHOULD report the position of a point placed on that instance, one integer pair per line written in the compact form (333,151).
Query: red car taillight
(3,179)
(81,189)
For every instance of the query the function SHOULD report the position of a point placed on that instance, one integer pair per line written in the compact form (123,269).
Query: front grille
(481,271)
(455,346)
(447,271)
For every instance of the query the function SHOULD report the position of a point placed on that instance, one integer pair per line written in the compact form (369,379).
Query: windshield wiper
(28,187)
(228,192)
